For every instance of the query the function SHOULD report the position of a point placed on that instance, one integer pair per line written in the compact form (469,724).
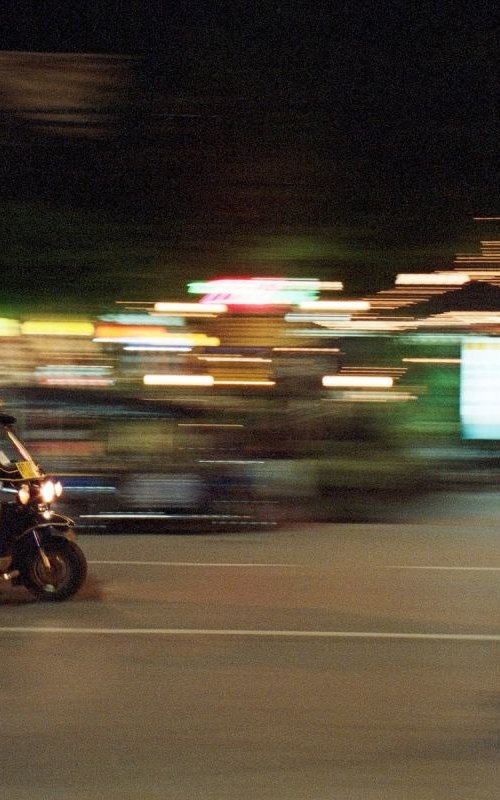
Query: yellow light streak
(144,335)
(9,327)
(461,318)
(57,328)
(332,286)
(178,380)
(432,278)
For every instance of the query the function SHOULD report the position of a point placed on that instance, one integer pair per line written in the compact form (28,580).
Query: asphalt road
(327,662)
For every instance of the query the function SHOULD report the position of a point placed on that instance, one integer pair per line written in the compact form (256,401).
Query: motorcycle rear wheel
(66,575)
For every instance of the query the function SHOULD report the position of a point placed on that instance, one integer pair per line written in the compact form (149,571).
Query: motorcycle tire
(65,577)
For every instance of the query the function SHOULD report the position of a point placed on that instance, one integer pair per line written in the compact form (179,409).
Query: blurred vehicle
(133,465)
(37,547)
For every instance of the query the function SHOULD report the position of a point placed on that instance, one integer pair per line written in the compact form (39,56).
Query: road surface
(322,662)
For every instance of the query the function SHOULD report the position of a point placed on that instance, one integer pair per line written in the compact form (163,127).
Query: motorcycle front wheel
(63,578)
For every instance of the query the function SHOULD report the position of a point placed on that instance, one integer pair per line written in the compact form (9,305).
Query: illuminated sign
(57,328)
(257,291)
(480,388)
(153,335)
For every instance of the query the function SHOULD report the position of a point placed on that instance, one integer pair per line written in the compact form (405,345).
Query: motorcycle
(37,546)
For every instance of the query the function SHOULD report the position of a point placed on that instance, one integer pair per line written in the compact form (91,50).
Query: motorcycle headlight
(24,494)
(48,491)
(58,488)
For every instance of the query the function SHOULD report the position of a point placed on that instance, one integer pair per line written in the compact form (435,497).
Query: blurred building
(279,395)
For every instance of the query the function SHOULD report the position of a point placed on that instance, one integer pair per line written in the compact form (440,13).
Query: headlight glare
(58,487)
(24,494)
(47,491)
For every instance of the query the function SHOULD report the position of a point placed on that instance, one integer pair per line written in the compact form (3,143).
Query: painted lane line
(273,564)
(443,568)
(244,633)
(190,564)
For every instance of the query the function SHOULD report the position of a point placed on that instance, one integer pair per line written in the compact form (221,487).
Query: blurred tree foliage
(77,257)
(85,259)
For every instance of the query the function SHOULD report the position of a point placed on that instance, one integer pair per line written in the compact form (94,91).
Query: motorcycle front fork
(43,554)
(8,575)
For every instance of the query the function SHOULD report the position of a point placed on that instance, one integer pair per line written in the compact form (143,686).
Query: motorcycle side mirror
(6,419)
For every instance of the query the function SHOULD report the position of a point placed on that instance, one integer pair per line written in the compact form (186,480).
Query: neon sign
(256,291)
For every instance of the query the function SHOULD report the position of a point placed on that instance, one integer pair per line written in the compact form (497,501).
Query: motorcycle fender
(63,527)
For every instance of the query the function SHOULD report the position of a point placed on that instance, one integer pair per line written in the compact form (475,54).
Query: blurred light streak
(135,318)
(9,327)
(150,335)
(432,278)
(166,342)
(137,332)
(365,371)
(368,381)
(191,308)
(468,258)
(368,326)
(73,375)
(371,397)
(243,383)
(312,350)
(461,318)
(336,305)
(332,286)
(68,381)
(297,316)
(156,348)
(432,360)
(238,359)
(178,380)
(311,332)
(57,328)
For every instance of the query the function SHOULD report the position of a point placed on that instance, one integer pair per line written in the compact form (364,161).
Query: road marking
(191,564)
(239,564)
(243,633)
(443,568)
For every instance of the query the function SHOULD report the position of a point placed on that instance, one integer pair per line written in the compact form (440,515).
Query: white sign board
(480,388)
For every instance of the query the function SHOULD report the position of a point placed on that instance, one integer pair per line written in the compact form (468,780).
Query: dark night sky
(373,125)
